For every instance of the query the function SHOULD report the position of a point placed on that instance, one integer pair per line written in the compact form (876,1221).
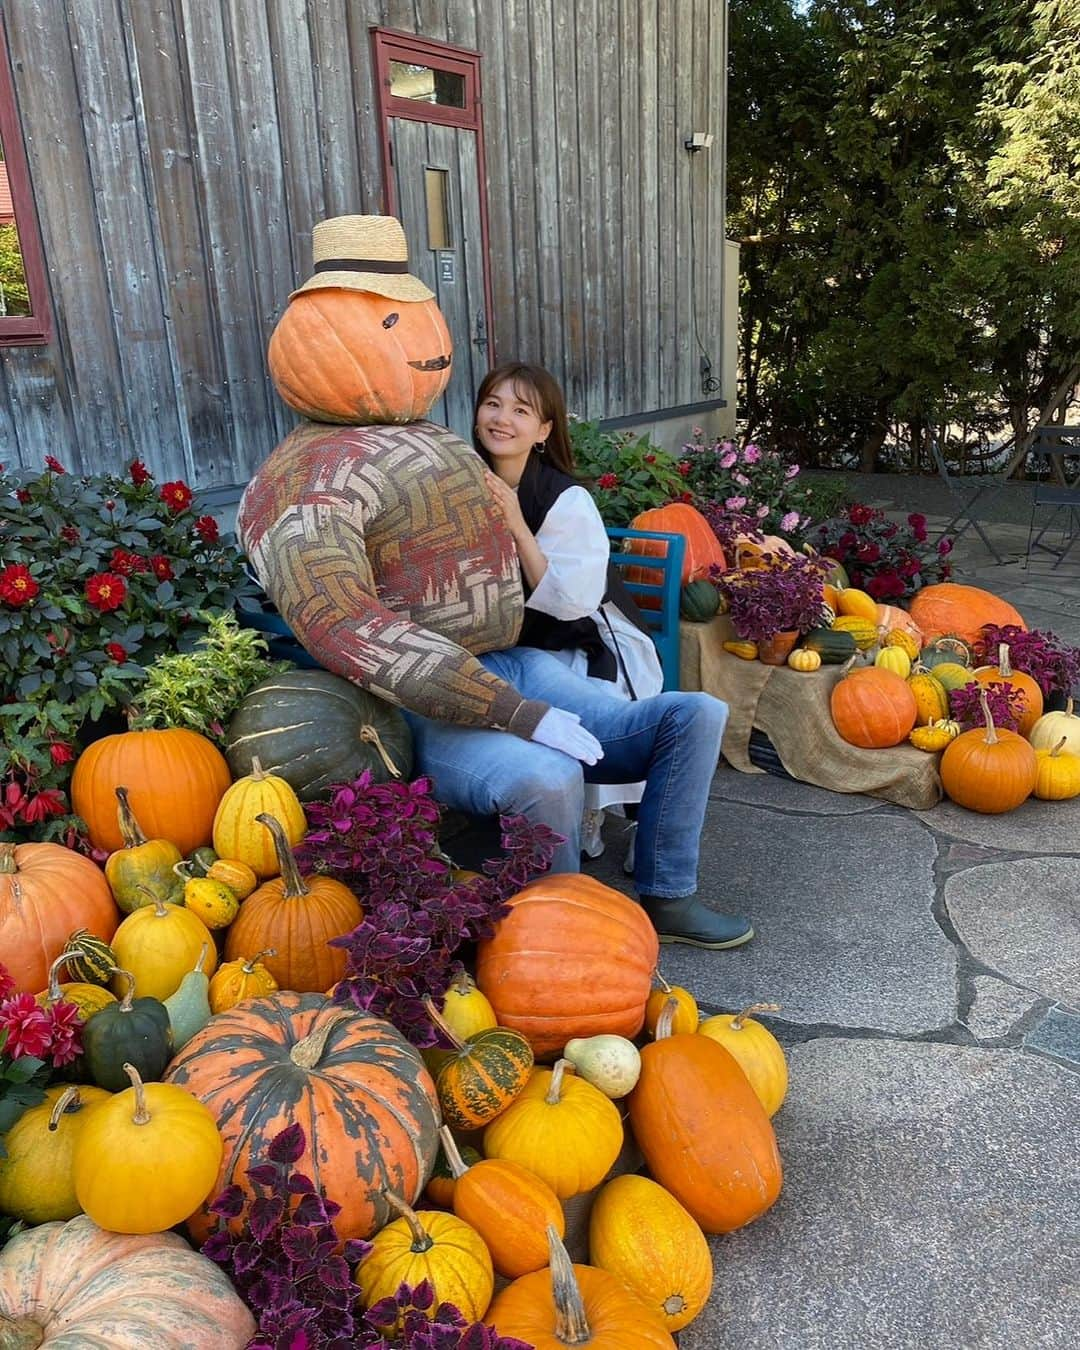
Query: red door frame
(35,328)
(390,45)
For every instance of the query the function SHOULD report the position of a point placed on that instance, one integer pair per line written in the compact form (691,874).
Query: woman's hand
(506,499)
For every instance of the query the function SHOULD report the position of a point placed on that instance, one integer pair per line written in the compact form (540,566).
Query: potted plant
(779,600)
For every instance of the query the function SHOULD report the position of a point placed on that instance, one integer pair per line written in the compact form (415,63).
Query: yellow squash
(36,1180)
(237,980)
(755,1049)
(143,869)
(237,832)
(159,944)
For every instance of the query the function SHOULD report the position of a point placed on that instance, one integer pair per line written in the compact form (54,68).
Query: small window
(427,84)
(14,288)
(24,314)
(437,184)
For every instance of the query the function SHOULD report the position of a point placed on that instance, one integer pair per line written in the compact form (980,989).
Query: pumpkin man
(376,537)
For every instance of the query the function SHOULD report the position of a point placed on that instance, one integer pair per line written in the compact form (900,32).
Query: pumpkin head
(482,1075)
(36,1183)
(1031,695)
(756,1049)
(358,358)
(572,958)
(988,770)
(561,1128)
(361,1092)
(46,893)
(73,1281)
(948,608)
(295,917)
(872,708)
(576,1305)
(175,779)
(704,1132)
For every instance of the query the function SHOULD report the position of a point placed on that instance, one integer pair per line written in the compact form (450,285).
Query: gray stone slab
(842,912)
(997,1007)
(1022,918)
(1057,1034)
(1034,827)
(767,789)
(930,1202)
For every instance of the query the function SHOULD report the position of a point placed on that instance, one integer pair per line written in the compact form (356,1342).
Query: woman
(576,605)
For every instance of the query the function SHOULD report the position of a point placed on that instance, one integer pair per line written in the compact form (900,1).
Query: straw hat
(363,253)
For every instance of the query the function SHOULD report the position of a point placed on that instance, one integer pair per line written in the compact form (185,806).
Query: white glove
(563,731)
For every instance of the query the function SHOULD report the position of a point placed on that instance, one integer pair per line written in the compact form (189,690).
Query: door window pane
(427,85)
(14,293)
(437,183)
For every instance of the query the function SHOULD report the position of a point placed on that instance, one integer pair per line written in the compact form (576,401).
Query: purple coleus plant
(381,840)
(1051,663)
(290,1267)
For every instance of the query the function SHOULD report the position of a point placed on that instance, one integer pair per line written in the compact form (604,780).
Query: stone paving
(928,968)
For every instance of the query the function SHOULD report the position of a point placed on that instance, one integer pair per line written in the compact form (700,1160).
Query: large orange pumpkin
(175,779)
(358,358)
(291,919)
(48,892)
(703,1130)
(873,708)
(988,770)
(358,1088)
(949,607)
(572,958)
(702,546)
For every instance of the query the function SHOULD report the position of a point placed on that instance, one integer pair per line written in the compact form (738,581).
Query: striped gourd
(483,1075)
(237,832)
(899,637)
(90,959)
(358,1088)
(894,659)
(931,700)
(863,630)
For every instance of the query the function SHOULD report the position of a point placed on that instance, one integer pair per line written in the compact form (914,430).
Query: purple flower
(944,547)
(735,503)
(791,471)
(728,458)
(790,521)
(741,479)
(751,454)
(762,512)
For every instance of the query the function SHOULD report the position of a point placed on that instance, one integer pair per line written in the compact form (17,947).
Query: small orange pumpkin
(873,708)
(988,770)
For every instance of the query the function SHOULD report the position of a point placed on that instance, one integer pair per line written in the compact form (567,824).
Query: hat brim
(400,287)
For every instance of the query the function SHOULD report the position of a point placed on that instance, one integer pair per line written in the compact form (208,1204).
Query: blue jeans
(672,741)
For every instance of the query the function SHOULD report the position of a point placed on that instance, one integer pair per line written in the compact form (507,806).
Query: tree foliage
(12,275)
(903,181)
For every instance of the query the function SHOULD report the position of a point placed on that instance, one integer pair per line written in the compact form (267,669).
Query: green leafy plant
(201,689)
(626,474)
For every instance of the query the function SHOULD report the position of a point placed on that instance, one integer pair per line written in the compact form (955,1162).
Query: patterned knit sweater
(385,554)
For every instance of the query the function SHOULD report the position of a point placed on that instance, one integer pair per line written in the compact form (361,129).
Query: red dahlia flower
(17,586)
(176,495)
(106,591)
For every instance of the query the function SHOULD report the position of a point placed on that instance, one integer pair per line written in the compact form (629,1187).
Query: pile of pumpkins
(201,972)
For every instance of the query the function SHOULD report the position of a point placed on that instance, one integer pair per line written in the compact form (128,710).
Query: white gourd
(610,1063)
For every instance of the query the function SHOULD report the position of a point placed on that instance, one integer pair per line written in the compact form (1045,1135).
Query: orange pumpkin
(1031,695)
(988,770)
(46,893)
(358,358)
(291,919)
(873,708)
(702,546)
(961,611)
(361,1092)
(703,1130)
(573,958)
(175,779)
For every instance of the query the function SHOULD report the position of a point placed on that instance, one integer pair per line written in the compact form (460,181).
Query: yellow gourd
(863,631)
(746,651)
(894,659)
(237,833)
(935,736)
(756,1050)
(855,602)
(898,637)
(802,658)
(237,875)
(142,868)
(465,1009)
(214,902)
(1057,773)
(88,998)
(36,1182)
(931,700)
(241,979)
(159,945)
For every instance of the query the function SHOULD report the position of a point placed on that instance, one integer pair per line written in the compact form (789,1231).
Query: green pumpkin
(201,860)
(833,645)
(952,675)
(90,959)
(698,601)
(135,1031)
(945,650)
(314,729)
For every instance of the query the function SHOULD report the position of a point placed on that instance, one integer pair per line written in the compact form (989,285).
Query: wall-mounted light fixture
(699,140)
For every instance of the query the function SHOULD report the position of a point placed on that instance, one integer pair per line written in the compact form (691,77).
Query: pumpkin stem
(441,1024)
(664,1021)
(370,736)
(1004,668)
(55,995)
(988,718)
(739,1018)
(142,1115)
(307,1052)
(455,1161)
(422,1241)
(7,860)
(197,968)
(554,1093)
(571,1325)
(1058,748)
(20,1333)
(68,1098)
(257,770)
(249,965)
(129,992)
(183,869)
(161,909)
(130,832)
(463,983)
(664,986)
(290,873)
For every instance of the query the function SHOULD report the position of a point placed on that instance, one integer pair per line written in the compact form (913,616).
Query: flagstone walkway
(928,967)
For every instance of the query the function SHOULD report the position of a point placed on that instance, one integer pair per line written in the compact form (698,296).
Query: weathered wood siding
(180,151)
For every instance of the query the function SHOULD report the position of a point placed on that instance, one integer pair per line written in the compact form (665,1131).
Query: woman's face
(507,425)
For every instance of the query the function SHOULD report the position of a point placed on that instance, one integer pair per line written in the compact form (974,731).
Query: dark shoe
(689,921)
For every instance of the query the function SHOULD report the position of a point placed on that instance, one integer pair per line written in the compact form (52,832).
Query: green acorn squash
(833,645)
(698,601)
(135,1031)
(314,729)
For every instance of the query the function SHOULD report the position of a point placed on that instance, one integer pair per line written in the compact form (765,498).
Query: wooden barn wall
(180,151)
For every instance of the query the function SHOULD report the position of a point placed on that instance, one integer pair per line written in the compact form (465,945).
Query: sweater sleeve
(573,540)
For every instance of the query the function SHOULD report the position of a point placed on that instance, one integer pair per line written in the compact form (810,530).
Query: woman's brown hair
(540,390)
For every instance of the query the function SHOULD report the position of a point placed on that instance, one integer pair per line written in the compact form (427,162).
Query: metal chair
(967,491)
(1050,444)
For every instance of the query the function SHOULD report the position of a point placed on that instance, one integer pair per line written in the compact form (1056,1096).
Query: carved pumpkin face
(359,358)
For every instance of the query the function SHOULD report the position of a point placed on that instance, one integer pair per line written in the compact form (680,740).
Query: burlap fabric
(792,708)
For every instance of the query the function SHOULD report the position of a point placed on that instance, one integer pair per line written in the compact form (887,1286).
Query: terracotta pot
(774,651)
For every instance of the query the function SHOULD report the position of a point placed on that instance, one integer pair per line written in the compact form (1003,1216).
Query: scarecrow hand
(563,731)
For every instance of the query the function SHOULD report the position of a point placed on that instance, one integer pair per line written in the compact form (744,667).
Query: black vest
(540,487)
